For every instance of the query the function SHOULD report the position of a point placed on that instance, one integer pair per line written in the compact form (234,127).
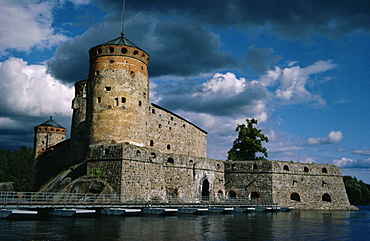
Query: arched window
(286,168)
(170,160)
(295,197)
(305,169)
(254,195)
(232,194)
(255,166)
(324,170)
(326,198)
(168,147)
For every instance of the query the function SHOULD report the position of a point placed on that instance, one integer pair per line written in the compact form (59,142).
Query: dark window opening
(123,100)
(136,52)
(99,51)
(233,166)
(159,126)
(138,152)
(286,168)
(98,100)
(106,151)
(108,88)
(255,166)
(295,197)
(205,189)
(326,198)
(168,147)
(111,49)
(153,111)
(295,183)
(170,160)
(151,143)
(254,195)
(111,61)
(305,169)
(324,170)
(140,103)
(232,194)
(124,50)
(116,101)
(324,184)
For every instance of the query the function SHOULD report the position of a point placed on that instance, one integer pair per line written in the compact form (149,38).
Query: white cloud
(29,90)
(364,151)
(352,163)
(292,82)
(332,138)
(26,24)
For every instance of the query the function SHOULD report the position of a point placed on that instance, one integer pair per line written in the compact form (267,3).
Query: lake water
(294,225)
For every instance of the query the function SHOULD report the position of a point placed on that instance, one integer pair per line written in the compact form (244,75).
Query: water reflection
(315,225)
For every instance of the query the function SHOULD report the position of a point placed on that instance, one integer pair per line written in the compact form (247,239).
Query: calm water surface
(295,225)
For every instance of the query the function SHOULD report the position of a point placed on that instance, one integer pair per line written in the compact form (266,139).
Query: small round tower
(117,93)
(47,135)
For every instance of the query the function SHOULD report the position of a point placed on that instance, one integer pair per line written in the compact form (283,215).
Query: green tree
(357,191)
(248,143)
(15,166)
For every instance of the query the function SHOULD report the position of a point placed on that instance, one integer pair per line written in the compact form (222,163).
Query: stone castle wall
(146,173)
(308,186)
(169,133)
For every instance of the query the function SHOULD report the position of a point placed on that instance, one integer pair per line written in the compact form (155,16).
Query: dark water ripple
(296,225)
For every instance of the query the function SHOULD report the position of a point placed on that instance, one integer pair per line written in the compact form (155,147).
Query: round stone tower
(47,135)
(117,93)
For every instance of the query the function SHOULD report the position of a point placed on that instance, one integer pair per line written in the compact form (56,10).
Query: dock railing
(47,199)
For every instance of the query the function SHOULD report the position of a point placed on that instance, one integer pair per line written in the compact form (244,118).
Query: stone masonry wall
(170,133)
(308,186)
(249,179)
(149,174)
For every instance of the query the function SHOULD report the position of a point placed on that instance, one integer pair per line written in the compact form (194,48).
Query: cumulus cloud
(223,95)
(332,138)
(27,24)
(352,163)
(293,82)
(28,90)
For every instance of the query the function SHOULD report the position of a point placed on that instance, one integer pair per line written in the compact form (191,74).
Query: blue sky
(300,67)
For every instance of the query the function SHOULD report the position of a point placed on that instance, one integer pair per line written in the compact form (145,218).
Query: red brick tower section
(117,93)
(47,135)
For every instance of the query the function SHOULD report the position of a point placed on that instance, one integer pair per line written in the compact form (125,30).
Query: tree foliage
(357,191)
(16,167)
(248,143)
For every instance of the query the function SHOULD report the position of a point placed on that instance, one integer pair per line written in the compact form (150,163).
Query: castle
(148,152)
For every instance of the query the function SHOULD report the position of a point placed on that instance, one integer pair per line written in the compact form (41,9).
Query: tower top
(51,123)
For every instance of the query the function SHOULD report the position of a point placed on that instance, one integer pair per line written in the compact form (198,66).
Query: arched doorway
(205,190)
